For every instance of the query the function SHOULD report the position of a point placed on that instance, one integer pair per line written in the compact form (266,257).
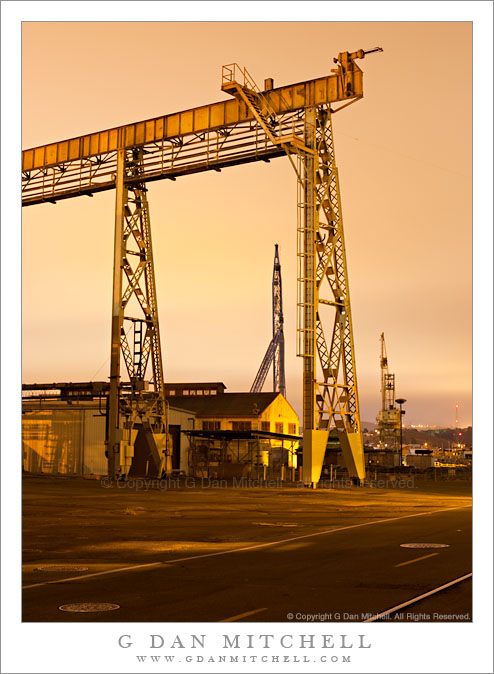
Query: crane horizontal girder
(209,137)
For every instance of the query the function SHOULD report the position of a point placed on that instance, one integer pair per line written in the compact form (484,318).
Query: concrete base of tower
(314,450)
(353,454)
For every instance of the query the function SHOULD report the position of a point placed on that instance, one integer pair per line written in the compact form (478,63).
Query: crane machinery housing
(275,352)
(388,420)
(253,125)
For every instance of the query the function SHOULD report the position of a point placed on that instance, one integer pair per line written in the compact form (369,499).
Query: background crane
(388,420)
(275,353)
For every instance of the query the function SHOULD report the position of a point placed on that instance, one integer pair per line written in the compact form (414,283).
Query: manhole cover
(61,567)
(88,608)
(424,545)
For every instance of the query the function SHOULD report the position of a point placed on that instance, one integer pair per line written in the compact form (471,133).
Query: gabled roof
(226,404)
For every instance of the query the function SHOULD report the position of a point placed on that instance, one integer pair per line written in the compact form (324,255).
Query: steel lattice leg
(329,386)
(137,406)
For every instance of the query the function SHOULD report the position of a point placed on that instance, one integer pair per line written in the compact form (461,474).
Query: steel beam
(167,159)
(307,278)
(213,136)
(114,431)
(329,89)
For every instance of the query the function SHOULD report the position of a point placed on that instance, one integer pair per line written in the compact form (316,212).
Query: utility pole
(401,401)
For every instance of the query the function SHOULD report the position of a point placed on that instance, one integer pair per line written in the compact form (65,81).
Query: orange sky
(404,156)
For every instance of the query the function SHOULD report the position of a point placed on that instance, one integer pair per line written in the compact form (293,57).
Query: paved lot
(252,554)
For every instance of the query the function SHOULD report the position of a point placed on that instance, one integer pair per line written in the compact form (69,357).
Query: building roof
(227,404)
(241,435)
(216,386)
(34,404)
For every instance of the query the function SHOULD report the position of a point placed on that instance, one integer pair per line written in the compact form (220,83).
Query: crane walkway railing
(238,82)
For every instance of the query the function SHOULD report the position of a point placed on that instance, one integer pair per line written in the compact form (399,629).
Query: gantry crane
(254,125)
(388,420)
(275,353)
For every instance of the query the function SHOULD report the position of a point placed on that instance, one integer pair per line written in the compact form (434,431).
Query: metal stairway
(267,122)
(237,82)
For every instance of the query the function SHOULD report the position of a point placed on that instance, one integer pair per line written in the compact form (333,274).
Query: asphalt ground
(244,554)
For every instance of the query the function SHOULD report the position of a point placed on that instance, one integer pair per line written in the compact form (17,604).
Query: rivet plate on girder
(61,567)
(88,607)
(424,545)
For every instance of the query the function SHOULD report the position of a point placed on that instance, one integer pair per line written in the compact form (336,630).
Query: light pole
(401,401)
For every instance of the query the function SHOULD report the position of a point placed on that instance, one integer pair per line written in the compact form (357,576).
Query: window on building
(279,427)
(265,426)
(210,425)
(241,425)
(292,429)
(171,392)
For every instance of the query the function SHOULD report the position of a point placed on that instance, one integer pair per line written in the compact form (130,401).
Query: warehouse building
(64,429)
(253,435)
(211,433)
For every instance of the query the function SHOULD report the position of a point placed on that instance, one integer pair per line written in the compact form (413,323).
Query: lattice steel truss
(337,398)
(135,290)
(170,158)
(330,386)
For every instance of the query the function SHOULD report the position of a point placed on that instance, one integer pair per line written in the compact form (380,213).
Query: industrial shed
(239,434)
(64,429)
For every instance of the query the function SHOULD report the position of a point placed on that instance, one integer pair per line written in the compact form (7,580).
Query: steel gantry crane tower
(275,353)
(254,125)
(388,420)
(133,263)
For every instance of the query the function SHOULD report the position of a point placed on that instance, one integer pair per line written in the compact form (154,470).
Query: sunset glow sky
(404,154)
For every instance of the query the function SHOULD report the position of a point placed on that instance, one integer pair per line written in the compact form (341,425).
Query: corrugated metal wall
(69,439)
(94,459)
(66,441)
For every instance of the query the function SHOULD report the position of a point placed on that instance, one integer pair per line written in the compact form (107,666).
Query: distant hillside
(433,436)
